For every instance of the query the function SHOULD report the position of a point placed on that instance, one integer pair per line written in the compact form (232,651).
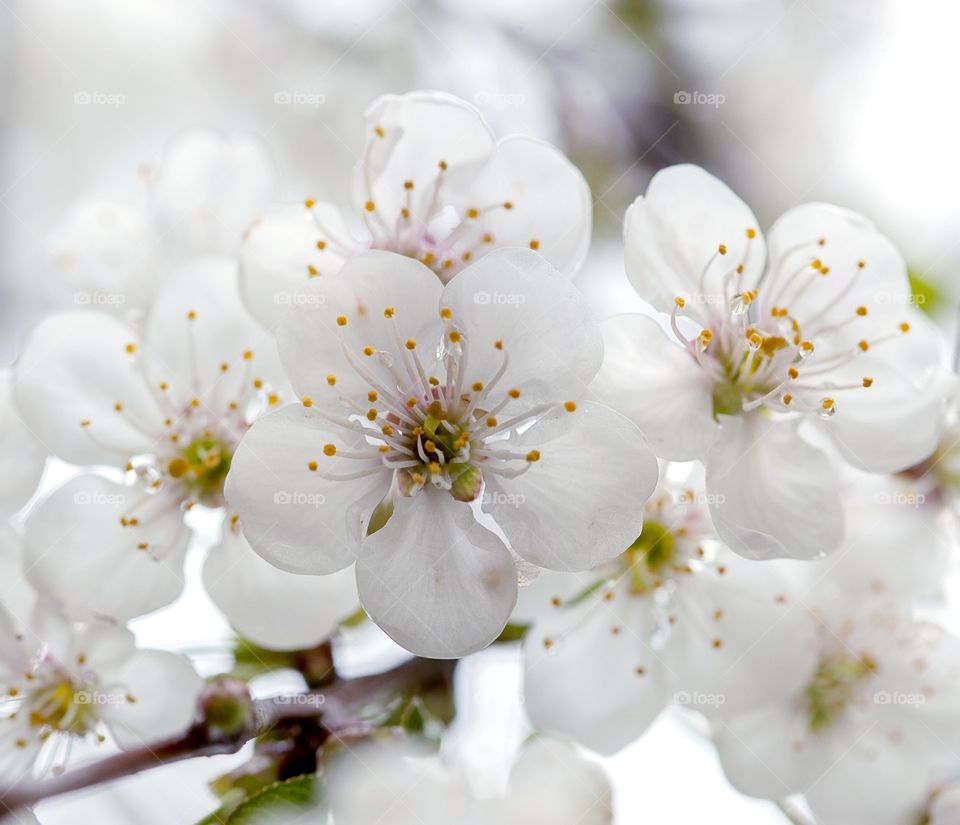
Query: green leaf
(292,796)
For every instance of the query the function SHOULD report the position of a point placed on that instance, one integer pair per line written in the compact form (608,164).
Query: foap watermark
(98,98)
(899,299)
(99,299)
(506,299)
(503,499)
(900,498)
(299,299)
(97,697)
(896,697)
(699,497)
(299,498)
(97,498)
(697,699)
(298,97)
(499,99)
(309,700)
(714,99)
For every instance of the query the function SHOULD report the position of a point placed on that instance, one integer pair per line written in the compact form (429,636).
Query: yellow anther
(130,348)
(514,393)
(312,466)
(454,336)
(331,379)
(867,382)
(477,386)
(428,259)
(570,406)
(442,165)
(372,396)
(312,271)
(861,264)
(435,468)
(321,244)
(806,346)
(533,455)
(534,243)
(491,421)
(498,343)
(383,448)
(378,131)
(739,269)
(341,320)
(827,403)
(329,449)
(191,315)
(369,206)
(756,339)
(446,313)
(307,401)
(389,312)
(408,185)
(309,202)
(118,407)
(722,249)
(825,270)
(411,403)
(466,256)
(417,478)
(904,327)
(194,402)
(751,233)
(434,381)
(411,343)
(368,351)
(864,345)
(372,414)
(247,355)
(861,311)
(487,237)
(429,446)
(386,429)
(794,373)
(447,263)
(473,213)
(508,205)
(178,466)
(224,366)
(822,242)
(680,302)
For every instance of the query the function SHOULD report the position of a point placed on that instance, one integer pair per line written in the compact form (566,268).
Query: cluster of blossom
(737,501)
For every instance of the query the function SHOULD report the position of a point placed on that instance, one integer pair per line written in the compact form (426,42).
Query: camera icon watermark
(500,498)
(714,99)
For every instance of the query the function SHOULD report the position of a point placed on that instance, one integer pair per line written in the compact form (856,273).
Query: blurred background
(787,100)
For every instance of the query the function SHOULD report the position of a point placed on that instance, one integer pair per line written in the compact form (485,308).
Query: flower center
(833,686)
(203,466)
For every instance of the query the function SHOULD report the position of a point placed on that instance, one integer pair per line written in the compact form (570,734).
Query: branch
(334,704)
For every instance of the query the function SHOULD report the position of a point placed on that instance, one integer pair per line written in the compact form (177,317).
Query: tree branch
(334,705)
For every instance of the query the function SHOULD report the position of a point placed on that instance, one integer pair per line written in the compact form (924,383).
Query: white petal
(271,607)
(107,252)
(419,130)
(78,552)
(198,324)
(292,516)
(815,300)
(278,251)
(312,343)
(764,483)
(659,385)
(896,422)
(76,367)
(550,202)
(672,232)
(164,688)
(22,456)
(437,582)
(601,650)
(548,333)
(582,501)
(209,189)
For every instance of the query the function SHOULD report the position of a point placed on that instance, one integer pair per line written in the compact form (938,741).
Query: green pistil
(652,551)
(203,465)
(833,685)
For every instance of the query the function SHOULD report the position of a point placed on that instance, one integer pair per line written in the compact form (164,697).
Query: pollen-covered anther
(787,399)
(329,449)
(508,205)
(806,347)
(446,313)
(513,393)
(491,421)
(477,386)
(312,466)
(534,243)
(372,414)
(570,406)
(679,301)
(248,355)
(331,379)
(411,343)
(307,401)
(177,467)
(309,202)
(369,206)
(794,373)
(321,244)
(341,320)
(864,345)
(389,312)
(904,327)
(443,165)
(191,315)
(130,349)
(751,232)
(454,336)
(473,214)
(722,249)
(533,455)
(756,340)
(827,404)
(368,351)
(867,381)
(435,468)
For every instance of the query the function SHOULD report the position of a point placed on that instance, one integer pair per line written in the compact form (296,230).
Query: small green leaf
(292,796)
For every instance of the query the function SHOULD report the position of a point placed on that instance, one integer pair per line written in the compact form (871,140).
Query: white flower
(550,782)
(168,408)
(815,326)
(433,183)
(61,683)
(418,399)
(872,693)
(670,620)
(206,191)
(21,456)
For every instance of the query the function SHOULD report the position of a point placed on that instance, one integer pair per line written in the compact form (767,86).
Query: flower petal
(314,345)
(550,204)
(764,481)
(293,516)
(658,385)
(210,187)
(581,501)
(22,456)
(271,607)
(672,233)
(78,551)
(599,649)
(437,582)
(280,253)
(77,367)
(545,326)
(408,136)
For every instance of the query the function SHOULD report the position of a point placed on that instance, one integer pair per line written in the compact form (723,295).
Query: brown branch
(334,704)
